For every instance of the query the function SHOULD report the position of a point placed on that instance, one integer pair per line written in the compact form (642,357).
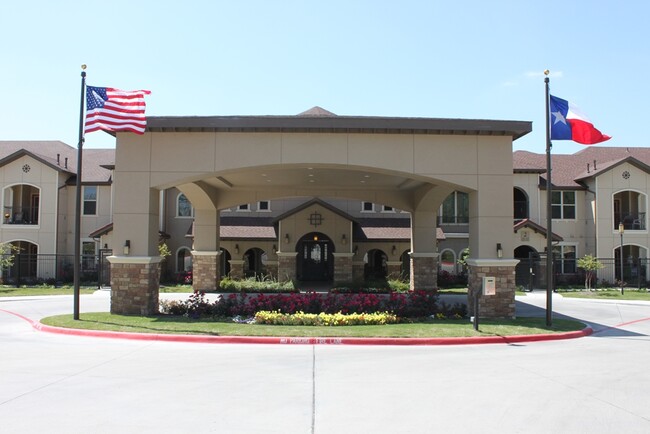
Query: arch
(315,258)
(528,268)
(183,260)
(21,203)
(375,264)
(26,267)
(521,210)
(255,262)
(630,207)
(448,261)
(633,268)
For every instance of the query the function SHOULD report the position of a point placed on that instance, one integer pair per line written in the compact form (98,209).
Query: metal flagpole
(77,217)
(549,212)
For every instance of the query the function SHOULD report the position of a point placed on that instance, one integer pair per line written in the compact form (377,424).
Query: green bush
(262,284)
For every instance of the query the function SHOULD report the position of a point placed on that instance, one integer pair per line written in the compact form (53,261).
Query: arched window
(183,260)
(448,261)
(455,209)
(630,209)
(520,204)
(184,207)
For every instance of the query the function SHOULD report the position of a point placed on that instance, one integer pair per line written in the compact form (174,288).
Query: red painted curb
(311,340)
(304,340)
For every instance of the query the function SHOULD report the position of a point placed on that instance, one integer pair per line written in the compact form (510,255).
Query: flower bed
(325,319)
(417,304)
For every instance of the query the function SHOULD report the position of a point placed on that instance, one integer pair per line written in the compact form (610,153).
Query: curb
(303,340)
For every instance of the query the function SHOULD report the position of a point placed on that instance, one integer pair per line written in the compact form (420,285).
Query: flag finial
(547,72)
(83,66)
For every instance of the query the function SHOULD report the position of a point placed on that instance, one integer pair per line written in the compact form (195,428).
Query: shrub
(260,284)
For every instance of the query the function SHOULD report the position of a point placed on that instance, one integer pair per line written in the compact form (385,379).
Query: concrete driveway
(70,384)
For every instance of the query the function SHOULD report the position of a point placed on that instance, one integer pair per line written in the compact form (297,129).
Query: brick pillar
(357,270)
(394,269)
(342,267)
(500,305)
(424,271)
(206,270)
(134,284)
(286,266)
(237,268)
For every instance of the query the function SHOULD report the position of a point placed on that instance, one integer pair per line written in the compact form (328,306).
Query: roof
(318,120)
(526,223)
(63,157)
(570,169)
(311,202)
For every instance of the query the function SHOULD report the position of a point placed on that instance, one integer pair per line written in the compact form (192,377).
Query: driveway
(70,384)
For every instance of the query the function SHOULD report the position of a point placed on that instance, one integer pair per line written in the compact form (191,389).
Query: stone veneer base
(135,284)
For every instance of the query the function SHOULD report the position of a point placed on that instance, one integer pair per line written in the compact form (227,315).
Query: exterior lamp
(286,238)
(499,251)
(344,240)
(127,247)
(621,230)
(236,248)
(394,250)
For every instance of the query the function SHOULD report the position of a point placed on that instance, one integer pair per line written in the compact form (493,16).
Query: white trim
(363,210)
(134,259)
(423,255)
(205,252)
(264,210)
(247,209)
(457,235)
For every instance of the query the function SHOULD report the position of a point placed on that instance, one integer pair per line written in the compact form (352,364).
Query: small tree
(164,252)
(590,264)
(7,252)
(462,260)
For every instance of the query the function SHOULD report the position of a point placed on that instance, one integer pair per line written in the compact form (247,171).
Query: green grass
(609,294)
(12,291)
(182,325)
(175,288)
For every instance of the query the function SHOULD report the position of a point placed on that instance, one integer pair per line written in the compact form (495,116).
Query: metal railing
(19,215)
(31,269)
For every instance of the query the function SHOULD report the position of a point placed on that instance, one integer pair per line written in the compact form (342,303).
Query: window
(385,208)
(455,208)
(563,204)
(367,207)
(630,209)
(264,206)
(183,207)
(244,207)
(90,200)
(565,259)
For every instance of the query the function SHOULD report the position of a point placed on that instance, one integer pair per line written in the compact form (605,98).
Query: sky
(436,59)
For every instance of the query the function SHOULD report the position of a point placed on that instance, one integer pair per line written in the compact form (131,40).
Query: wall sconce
(394,250)
(275,249)
(236,248)
(356,249)
(127,247)
(286,238)
(344,240)
(499,251)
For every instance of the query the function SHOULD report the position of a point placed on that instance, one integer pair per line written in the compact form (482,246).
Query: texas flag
(569,123)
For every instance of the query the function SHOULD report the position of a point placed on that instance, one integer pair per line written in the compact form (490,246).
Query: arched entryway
(526,271)
(315,259)
(255,262)
(375,266)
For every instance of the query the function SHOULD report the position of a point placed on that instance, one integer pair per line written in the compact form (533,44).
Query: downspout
(594,216)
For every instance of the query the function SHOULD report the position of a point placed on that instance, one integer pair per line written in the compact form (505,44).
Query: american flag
(111,109)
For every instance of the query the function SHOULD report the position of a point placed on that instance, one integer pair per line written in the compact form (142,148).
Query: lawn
(435,328)
(12,291)
(608,294)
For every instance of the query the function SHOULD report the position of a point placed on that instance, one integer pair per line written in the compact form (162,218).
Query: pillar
(424,271)
(237,268)
(286,266)
(343,268)
(206,270)
(500,305)
(134,285)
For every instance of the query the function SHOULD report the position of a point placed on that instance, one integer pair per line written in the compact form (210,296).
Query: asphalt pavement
(73,384)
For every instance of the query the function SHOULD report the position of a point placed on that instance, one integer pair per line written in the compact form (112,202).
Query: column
(502,304)
(286,266)
(134,285)
(424,271)
(206,270)
(342,267)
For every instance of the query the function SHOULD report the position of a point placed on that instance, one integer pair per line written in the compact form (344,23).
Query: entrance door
(315,260)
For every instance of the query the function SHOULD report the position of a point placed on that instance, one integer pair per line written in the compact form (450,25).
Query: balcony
(635,222)
(20,216)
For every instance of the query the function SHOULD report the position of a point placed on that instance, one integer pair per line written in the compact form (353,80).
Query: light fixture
(499,251)
(315,237)
(344,240)
(394,250)
(356,249)
(286,238)
(275,249)
(236,248)
(127,247)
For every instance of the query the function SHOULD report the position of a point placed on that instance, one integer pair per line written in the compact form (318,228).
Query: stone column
(237,268)
(206,270)
(134,284)
(500,305)
(357,270)
(394,269)
(286,266)
(424,271)
(342,267)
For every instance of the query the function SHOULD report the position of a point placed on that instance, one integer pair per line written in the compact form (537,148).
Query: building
(313,197)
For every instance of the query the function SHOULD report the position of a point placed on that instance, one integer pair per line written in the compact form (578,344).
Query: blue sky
(460,59)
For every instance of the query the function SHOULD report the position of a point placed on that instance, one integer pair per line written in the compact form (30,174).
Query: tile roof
(48,150)
(570,168)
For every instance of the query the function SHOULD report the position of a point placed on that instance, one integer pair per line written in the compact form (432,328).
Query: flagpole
(549,212)
(77,217)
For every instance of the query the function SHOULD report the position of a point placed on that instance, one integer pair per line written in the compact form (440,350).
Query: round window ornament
(26,168)
(626,175)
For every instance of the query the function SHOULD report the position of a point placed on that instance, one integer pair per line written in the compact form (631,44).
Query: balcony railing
(20,215)
(630,221)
